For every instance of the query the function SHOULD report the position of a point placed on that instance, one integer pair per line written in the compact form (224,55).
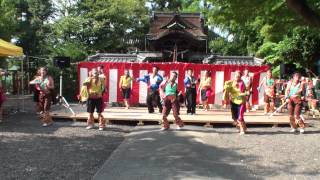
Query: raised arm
(288,89)
(50,85)
(87,82)
(186,82)
(145,78)
(120,82)
(35,81)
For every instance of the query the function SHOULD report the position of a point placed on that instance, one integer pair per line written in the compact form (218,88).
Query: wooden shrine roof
(162,24)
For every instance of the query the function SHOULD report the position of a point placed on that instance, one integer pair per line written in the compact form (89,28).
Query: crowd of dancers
(163,92)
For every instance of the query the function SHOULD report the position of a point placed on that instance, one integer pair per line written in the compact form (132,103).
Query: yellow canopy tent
(8,49)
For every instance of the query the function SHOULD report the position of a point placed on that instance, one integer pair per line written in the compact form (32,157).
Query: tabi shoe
(89,127)
(243,127)
(46,124)
(301,130)
(164,129)
(293,130)
(178,128)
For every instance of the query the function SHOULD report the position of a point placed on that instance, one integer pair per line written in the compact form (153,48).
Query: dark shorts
(235,110)
(126,93)
(204,96)
(93,104)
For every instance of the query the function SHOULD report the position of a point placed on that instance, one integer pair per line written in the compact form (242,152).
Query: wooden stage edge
(209,118)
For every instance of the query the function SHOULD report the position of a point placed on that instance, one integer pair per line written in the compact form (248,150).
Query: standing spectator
(191,92)
(125,87)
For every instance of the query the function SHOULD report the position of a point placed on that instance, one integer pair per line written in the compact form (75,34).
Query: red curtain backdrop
(113,71)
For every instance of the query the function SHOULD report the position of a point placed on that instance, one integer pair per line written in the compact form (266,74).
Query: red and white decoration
(220,74)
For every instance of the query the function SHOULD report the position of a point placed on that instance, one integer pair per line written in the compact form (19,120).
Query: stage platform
(140,115)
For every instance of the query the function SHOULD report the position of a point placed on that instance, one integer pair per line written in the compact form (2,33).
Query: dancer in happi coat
(235,92)
(269,92)
(205,89)
(125,87)
(153,80)
(311,98)
(169,91)
(190,83)
(294,98)
(44,83)
(247,79)
(95,89)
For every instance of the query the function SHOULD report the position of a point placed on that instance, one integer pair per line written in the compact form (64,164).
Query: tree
(261,26)
(34,27)
(302,8)
(166,5)
(8,19)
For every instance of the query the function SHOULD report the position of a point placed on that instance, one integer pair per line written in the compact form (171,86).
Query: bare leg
(126,103)
(90,121)
(205,105)
(266,108)
(102,122)
(272,107)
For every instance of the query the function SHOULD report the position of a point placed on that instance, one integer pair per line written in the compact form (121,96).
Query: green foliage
(223,47)
(266,49)
(110,23)
(300,47)
(8,19)
(167,5)
(265,28)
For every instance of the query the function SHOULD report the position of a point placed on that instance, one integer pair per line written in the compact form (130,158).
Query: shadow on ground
(171,155)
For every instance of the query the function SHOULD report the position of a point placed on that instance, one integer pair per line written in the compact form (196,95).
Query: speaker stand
(62,101)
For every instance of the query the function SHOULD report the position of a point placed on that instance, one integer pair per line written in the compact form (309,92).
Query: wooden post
(208,125)
(140,123)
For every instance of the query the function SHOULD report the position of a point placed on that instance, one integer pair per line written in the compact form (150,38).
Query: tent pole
(22,84)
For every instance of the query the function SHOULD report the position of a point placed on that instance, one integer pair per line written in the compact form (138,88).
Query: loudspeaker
(286,70)
(61,62)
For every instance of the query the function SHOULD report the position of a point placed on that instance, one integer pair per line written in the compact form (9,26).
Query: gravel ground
(68,151)
(216,153)
(269,153)
(65,150)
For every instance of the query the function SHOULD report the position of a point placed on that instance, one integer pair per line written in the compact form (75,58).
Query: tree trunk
(301,8)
